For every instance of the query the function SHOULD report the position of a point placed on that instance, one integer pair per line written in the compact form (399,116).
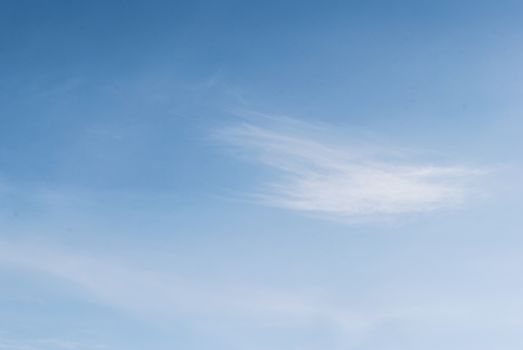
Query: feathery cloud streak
(160,295)
(344,180)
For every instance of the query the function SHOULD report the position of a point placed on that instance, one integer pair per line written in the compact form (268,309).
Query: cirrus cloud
(317,175)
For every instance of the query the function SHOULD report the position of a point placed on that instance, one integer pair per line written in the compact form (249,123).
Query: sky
(261,175)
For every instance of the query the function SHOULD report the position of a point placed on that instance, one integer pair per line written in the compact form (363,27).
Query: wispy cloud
(135,289)
(344,179)
(158,295)
(47,344)
(239,313)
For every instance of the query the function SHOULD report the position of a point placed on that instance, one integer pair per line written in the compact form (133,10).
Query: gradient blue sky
(271,175)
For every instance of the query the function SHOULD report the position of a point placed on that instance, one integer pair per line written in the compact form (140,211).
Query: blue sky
(276,175)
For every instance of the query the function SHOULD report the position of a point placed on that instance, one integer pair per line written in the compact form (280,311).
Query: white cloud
(317,175)
(157,294)
(243,313)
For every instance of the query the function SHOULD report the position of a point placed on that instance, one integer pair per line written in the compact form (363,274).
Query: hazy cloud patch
(324,175)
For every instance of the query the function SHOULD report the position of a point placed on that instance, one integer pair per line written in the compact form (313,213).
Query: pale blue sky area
(270,175)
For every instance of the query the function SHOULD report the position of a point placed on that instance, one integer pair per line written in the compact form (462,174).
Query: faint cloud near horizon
(318,172)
